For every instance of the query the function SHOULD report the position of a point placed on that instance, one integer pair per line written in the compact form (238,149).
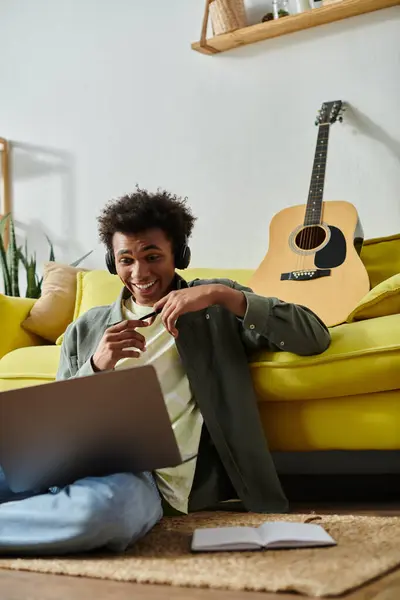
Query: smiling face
(145,264)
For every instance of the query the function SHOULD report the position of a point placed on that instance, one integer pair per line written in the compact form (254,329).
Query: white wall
(99,95)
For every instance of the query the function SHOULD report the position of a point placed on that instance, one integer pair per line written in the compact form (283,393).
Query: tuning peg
(340,119)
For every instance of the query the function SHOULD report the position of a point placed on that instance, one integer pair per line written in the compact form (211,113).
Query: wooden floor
(18,585)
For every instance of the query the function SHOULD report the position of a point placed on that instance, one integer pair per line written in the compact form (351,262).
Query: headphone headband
(182,258)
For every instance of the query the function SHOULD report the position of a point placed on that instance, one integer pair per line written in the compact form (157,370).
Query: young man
(199,344)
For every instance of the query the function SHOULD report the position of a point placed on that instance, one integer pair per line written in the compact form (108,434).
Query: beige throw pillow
(54,310)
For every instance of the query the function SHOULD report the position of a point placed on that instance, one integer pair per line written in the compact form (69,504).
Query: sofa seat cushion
(363,358)
(37,363)
(360,422)
(7,385)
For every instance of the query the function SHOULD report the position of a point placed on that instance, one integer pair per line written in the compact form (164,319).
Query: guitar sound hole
(310,237)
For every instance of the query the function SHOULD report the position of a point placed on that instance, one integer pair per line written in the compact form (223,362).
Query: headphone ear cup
(182,258)
(110,262)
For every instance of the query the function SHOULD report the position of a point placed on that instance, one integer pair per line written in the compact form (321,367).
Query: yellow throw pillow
(13,311)
(381,257)
(53,311)
(95,288)
(382,300)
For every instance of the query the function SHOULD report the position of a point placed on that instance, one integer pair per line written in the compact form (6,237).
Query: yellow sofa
(345,402)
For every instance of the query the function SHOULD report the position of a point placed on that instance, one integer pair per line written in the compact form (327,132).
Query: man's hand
(196,298)
(115,343)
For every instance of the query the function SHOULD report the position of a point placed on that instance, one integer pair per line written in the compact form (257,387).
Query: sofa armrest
(13,311)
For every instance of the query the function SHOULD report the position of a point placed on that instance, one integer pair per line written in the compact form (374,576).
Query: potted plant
(12,256)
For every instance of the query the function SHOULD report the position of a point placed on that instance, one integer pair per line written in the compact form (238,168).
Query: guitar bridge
(305,275)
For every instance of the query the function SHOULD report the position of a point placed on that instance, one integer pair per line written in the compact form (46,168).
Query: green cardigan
(215,347)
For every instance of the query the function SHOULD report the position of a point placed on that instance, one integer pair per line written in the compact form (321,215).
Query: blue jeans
(96,512)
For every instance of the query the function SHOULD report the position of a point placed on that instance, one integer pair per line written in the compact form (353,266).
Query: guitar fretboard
(313,214)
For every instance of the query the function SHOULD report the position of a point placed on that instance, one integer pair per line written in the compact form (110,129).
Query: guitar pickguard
(334,253)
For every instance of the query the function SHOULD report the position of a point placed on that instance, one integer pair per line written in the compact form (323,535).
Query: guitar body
(317,266)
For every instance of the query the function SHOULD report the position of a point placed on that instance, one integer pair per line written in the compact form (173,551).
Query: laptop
(54,434)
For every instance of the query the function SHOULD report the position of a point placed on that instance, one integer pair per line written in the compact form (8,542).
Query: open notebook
(273,534)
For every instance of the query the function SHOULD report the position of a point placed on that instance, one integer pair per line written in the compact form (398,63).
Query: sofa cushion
(12,312)
(382,300)
(381,257)
(14,384)
(335,405)
(53,311)
(34,363)
(364,357)
(96,288)
(360,422)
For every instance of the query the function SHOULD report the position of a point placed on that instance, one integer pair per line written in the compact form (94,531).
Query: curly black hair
(142,210)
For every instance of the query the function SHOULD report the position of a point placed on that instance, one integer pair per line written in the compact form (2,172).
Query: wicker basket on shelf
(227,15)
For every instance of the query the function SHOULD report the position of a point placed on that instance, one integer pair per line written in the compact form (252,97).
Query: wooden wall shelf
(311,18)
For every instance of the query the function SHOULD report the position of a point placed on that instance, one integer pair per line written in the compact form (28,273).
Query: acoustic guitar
(313,254)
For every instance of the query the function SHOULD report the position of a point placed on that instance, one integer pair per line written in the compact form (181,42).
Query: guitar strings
(322,159)
(323,136)
(308,237)
(313,184)
(308,229)
(305,233)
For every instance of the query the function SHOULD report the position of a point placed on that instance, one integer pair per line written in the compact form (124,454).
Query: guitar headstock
(330,112)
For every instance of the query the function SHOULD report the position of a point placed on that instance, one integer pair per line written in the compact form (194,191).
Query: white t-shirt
(174,483)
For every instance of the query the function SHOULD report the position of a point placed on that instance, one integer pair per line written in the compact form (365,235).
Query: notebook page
(226,537)
(285,533)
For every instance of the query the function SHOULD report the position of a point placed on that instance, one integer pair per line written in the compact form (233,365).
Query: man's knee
(115,511)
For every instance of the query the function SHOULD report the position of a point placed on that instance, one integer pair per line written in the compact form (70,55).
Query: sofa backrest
(381,257)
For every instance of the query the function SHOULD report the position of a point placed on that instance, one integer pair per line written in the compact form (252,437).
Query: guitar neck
(313,214)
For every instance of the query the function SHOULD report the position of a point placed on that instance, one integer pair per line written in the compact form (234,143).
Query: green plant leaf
(52,257)
(10,259)
(13,261)
(4,259)
(4,268)
(31,279)
(3,223)
(78,262)
(23,258)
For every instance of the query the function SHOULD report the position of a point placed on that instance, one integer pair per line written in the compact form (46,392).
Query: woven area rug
(367,547)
